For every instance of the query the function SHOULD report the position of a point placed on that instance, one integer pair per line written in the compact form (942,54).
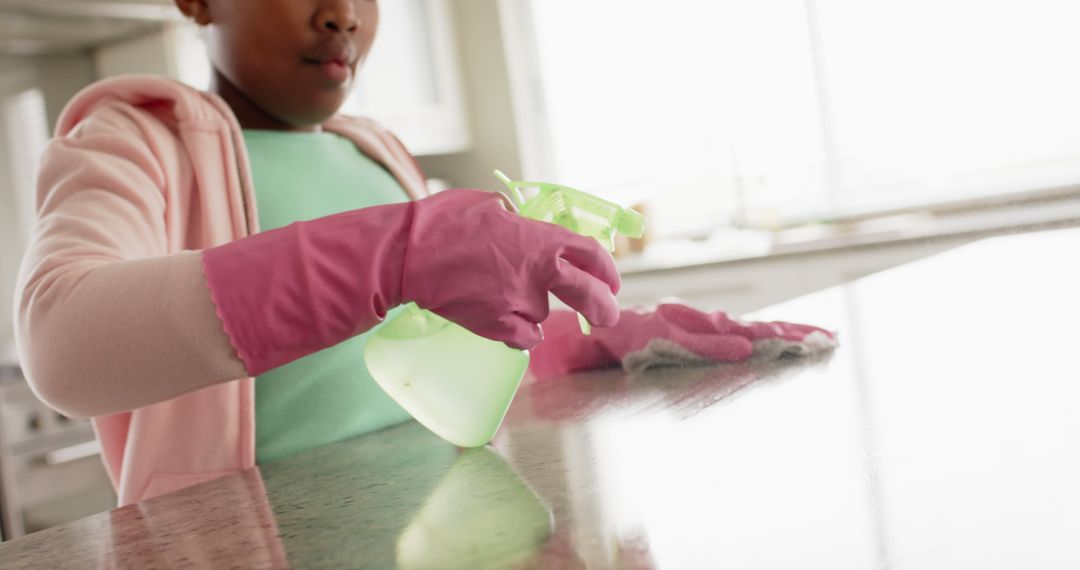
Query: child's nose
(337,16)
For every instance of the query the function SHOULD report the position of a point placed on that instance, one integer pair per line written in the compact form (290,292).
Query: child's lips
(335,70)
(334,60)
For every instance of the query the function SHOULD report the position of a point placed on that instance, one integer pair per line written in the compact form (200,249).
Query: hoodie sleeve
(107,320)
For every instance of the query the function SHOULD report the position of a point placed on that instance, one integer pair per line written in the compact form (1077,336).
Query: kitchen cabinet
(50,468)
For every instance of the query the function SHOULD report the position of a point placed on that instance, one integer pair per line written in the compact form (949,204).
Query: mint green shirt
(327,396)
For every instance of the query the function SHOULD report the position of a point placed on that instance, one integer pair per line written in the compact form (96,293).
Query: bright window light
(26,132)
(767,111)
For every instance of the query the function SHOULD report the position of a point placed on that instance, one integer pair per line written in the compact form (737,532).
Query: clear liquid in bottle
(456,383)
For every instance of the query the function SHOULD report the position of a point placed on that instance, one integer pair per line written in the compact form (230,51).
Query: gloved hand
(473,262)
(286,293)
(670,334)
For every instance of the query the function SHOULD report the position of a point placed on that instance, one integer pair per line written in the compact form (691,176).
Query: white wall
(147,54)
(60,77)
(174,50)
(487,100)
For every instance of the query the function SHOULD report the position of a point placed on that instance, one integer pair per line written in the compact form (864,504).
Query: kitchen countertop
(942,433)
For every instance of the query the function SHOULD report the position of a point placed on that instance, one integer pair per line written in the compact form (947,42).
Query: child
(188,243)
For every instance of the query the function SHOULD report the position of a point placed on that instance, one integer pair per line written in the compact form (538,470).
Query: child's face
(293,60)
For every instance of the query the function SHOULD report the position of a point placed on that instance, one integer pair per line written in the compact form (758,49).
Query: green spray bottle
(459,384)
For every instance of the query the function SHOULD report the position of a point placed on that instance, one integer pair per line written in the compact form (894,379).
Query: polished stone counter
(943,433)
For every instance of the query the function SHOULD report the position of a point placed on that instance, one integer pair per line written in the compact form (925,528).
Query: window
(25,135)
(766,112)
(947,99)
(410,80)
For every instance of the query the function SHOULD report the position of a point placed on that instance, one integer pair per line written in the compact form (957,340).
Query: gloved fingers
(513,330)
(779,329)
(535,307)
(688,318)
(683,318)
(588,255)
(797,331)
(717,347)
(585,294)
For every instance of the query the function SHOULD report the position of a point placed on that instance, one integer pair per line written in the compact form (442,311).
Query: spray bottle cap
(630,223)
(576,210)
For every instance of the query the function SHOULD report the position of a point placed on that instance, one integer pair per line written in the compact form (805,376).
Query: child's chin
(315,114)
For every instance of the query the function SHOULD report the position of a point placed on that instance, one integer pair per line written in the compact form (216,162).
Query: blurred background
(777,146)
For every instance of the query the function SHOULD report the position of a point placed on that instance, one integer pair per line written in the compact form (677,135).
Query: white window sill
(976,219)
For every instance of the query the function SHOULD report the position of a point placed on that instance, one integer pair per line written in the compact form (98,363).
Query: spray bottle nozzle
(577,211)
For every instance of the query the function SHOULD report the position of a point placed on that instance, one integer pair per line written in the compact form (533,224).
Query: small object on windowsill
(724,244)
(624,245)
(733,244)
(878,229)
(805,234)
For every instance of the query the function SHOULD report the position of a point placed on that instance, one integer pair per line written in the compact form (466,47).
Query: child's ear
(197,10)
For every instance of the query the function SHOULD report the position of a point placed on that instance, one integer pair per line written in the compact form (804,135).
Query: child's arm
(460,253)
(670,334)
(107,320)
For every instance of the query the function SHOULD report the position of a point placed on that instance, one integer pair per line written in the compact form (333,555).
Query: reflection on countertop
(942,433)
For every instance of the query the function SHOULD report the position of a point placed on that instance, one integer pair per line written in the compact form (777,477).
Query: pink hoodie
(113,313)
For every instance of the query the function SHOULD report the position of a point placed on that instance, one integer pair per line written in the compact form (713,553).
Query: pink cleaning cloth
(668,335)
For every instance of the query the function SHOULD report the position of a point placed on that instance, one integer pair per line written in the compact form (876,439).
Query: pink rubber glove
(667,335)
(286,293)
